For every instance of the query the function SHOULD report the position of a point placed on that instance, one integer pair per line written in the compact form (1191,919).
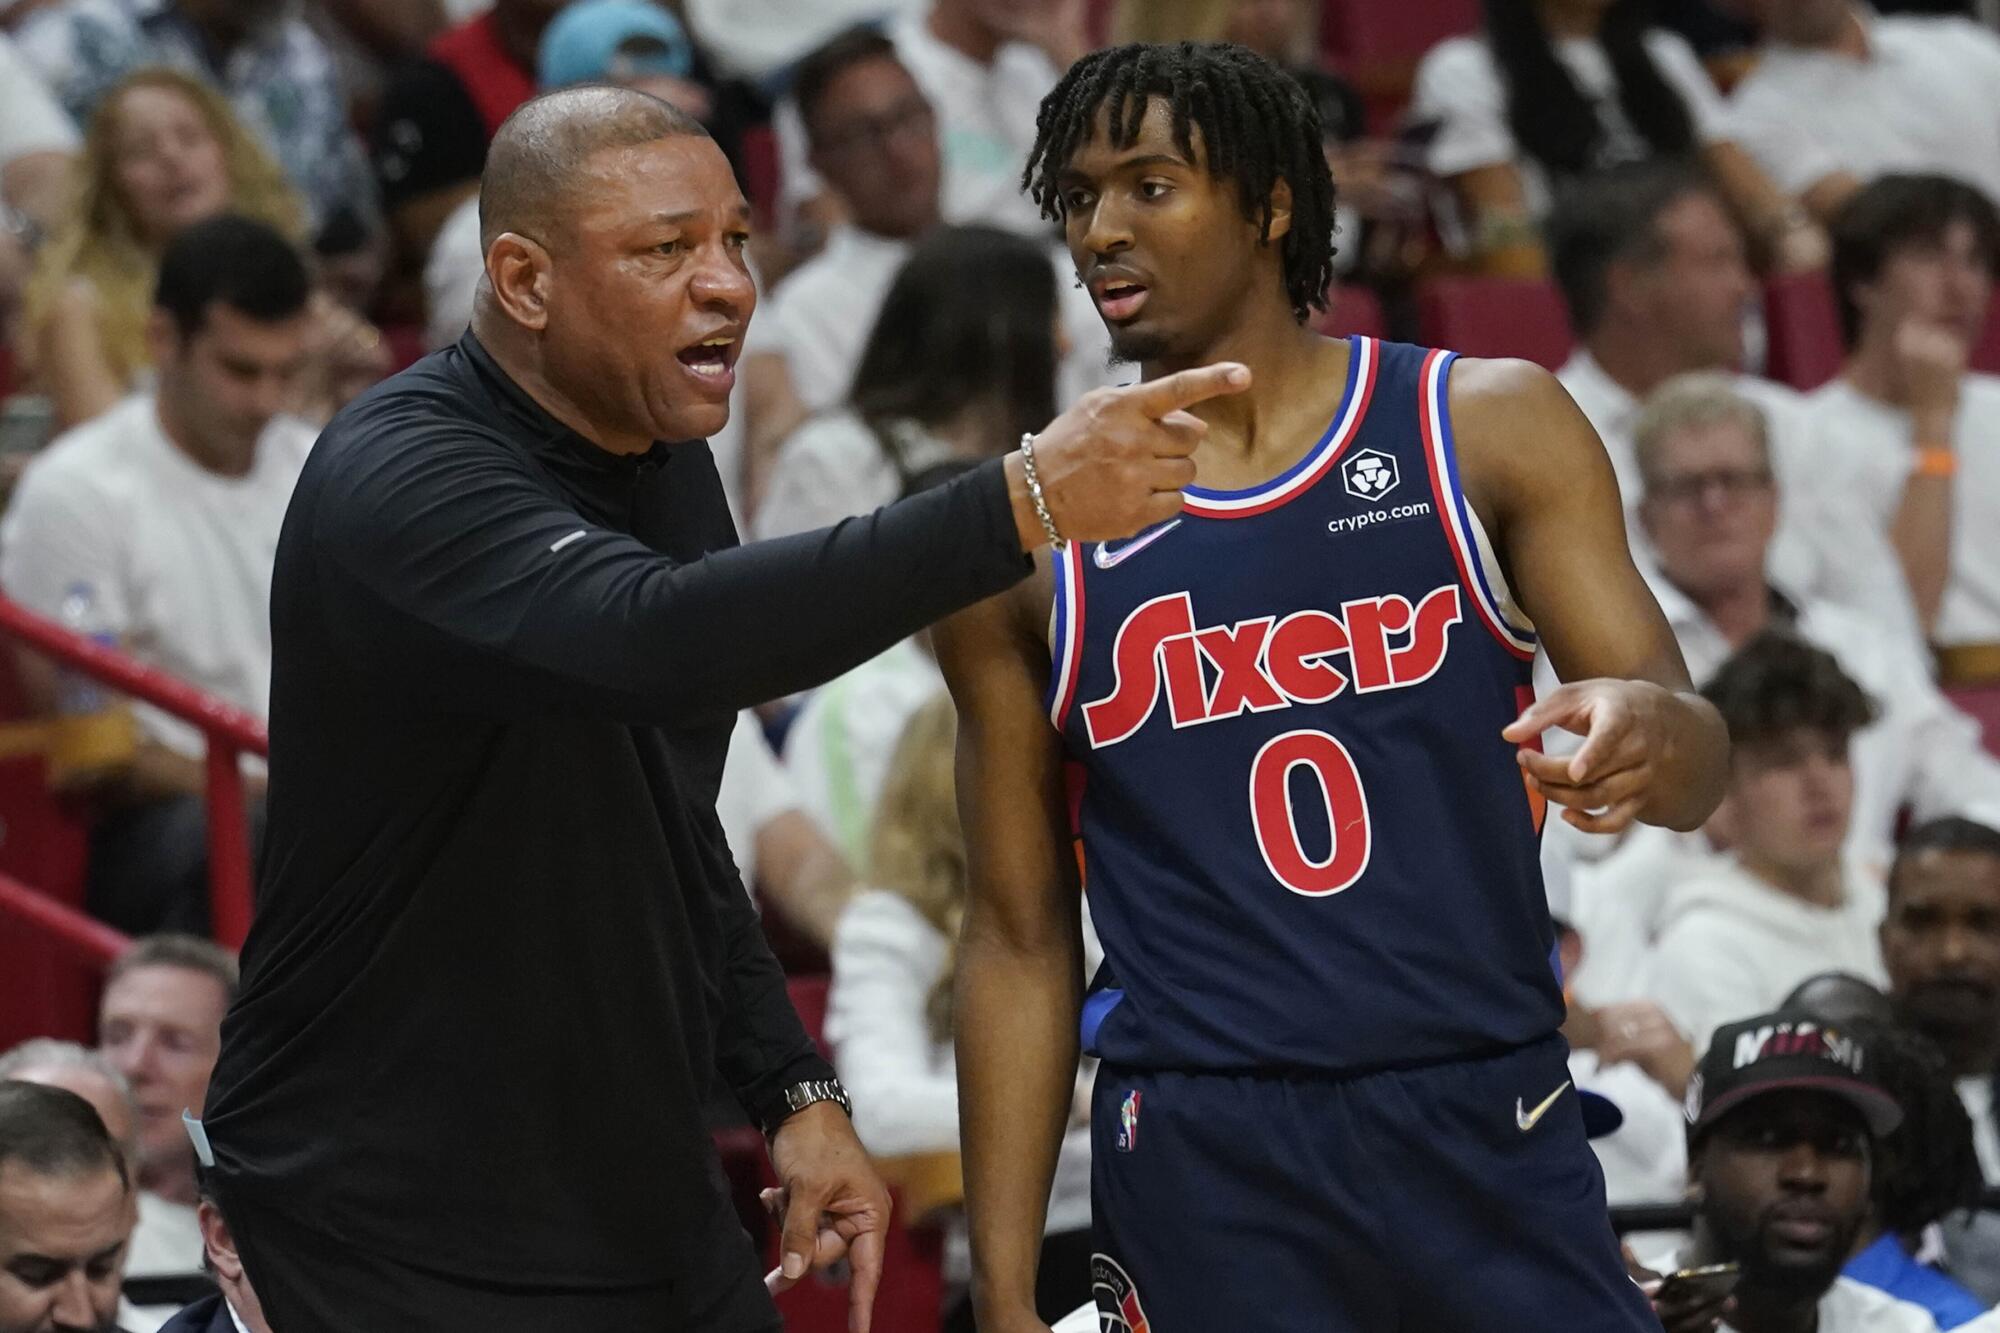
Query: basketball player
(1293,734)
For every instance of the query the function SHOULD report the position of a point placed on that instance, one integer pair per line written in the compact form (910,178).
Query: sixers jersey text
(1305,843)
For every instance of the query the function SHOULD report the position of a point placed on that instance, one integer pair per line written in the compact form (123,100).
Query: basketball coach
(501,956)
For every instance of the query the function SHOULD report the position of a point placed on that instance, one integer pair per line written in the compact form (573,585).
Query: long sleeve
(450,567)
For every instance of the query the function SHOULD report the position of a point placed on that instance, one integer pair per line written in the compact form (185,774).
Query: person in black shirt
(501,953)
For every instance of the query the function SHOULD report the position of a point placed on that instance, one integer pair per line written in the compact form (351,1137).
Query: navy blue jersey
(1306,845)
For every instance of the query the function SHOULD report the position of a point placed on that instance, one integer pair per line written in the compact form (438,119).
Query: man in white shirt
(1839,96)
(1941,945)
(877,138)
(1906,427)
(1736,939)
(157,524)
(1784,1117)
(1709,508)
(1655,275)
(780,852)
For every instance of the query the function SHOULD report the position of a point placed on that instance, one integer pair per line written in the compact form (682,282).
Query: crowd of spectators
(221,220)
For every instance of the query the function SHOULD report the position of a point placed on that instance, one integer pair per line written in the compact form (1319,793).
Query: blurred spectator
(1840,96)
(160,1025)
(1709,512)
(157,523)
(1549,93)
(1905,425)
(1941,943)
(757,39)
(889,1011)
(876,140)
(167,1238)
(1941,946)
(840,742)
(1653,272)
(983,66)
(275,71)
(439,113)
(163,152)
(779,851)
(65,1214)
(1783,906)
(960,363)
(1786,1119)
(1842,999)
(1632,1055)
(37,145)
(233,1309)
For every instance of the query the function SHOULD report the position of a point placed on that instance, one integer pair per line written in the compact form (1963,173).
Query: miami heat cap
(1787,1050)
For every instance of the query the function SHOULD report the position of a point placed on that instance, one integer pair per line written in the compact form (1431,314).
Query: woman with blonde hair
(889,1012)
(163,150)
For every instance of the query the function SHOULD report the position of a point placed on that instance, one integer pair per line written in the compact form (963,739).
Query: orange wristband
(1934,460)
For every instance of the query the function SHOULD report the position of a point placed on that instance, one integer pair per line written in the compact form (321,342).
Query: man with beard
(1785,1116)
(1941,947)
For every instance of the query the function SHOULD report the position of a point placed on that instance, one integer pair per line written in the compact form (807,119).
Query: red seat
(1352,310)
(6,369)
(1377,44)
(761,173)
(43,844)
(1982,703)
(1521,317)
(1986,356)
(1802,325)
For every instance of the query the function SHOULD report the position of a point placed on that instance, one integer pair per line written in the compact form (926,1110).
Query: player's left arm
(1653,749)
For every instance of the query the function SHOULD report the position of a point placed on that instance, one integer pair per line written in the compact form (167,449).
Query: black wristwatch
(804,1093)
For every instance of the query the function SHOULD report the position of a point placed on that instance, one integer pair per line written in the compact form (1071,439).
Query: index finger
(864,1258)
(1185,388)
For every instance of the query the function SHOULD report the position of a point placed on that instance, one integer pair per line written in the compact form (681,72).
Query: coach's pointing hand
(1115,463)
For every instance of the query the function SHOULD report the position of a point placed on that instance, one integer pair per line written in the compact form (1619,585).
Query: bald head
(540,155)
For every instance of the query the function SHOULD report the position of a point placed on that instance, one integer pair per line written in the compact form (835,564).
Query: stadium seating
(760,174)
(1352,310)
(1377,44)
(1802,327)
(1521,317)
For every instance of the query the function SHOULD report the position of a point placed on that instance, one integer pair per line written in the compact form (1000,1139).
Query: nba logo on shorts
(1128,1123)
(1118,1308)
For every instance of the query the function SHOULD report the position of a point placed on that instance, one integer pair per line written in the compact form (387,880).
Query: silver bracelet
(1056,539)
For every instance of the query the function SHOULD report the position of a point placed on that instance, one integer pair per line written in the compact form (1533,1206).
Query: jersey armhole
(1471,550)
(1065,633)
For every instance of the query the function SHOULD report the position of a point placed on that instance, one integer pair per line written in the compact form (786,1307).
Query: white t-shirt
(1460,85)
(1645,1158)
(1852,1307)
(31,120)
(755,790)
(839,747)
(821,315)
(1976,1094)
(834,467)
(1864,448)
(1922,100)
(451,276)
(178,558)
(753,38)
(1732,946)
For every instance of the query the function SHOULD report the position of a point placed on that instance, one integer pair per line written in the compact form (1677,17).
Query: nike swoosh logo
(1106,558)
(1527,1119)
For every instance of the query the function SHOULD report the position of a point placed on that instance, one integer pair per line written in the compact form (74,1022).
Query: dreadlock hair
(1927,1169)
(1257,126)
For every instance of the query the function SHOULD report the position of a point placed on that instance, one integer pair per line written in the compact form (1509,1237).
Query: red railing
(230,733)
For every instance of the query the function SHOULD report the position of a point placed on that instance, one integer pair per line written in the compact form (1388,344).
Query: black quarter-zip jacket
(501,952)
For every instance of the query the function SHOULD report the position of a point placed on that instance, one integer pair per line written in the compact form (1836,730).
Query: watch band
(804,1093)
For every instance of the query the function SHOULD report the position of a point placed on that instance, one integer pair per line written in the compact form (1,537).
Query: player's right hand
(1115,464)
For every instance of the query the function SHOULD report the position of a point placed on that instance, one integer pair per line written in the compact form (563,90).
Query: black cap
(1788,1049)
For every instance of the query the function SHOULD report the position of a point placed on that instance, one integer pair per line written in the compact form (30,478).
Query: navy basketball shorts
(1457,1198)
